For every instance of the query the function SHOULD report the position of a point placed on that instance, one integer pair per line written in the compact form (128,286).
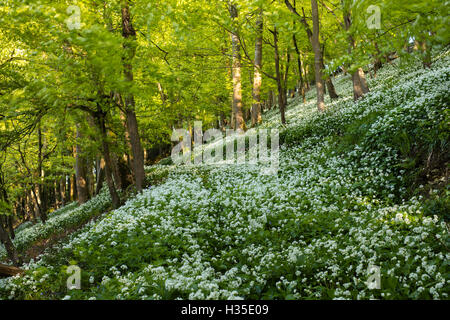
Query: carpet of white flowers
(69,216)
(311,231)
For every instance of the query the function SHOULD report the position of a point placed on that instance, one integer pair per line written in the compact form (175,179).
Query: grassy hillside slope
(362,184)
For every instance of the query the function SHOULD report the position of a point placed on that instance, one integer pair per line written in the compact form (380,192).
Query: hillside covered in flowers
(362,184)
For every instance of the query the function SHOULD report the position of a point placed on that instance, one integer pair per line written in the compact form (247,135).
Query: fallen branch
(9,271)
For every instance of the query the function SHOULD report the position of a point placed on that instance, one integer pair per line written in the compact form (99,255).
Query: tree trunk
(23,210)
(129,34)
(257,79)
(300,69)
(10,222)
(360,87)
(62,184)
(232,122)
(331,90)
(307,84)
(90,177)
(108,167)
(425,52)
(57,195)
(100,174)
(6,225)
(116,173)
(281,100)
(69,189)
(74,188)
(37,207)
(362,80)
(270,100)
(6,240)
(285,77)
(329,83)
(41,186)
(377,64)
(317,56)
(357,89)
(30,206)
(80,171)
(238,116)
(161,93)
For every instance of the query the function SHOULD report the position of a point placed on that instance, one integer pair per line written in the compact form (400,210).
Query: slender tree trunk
(377,64)
(270,100)
(330,87)
(37,205)
(313,37)
(300,69)
(161,93)
(257,78)
(116,173)
(10,222)
(357,89)
(275,99)
(281,100)
(41,186)
(4,227)
(100,174)
(362,80)
(129,34)
(62,184)
(10,249)
(317,56)
(80,171)
(34,190)
(328,82)
(23,209)
(306,73)
(106,154)
(238,116)
(129,160)
(247,114)
(425,52)
(360,87)
(232,122)
(31,206)
(285,76)
(57,194)
(74,187)
(69,189)
(90,177)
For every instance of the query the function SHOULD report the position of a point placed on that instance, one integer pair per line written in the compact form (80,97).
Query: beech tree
(360,87)
(257,76)
(313,37)
(238,116)
(129,34)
